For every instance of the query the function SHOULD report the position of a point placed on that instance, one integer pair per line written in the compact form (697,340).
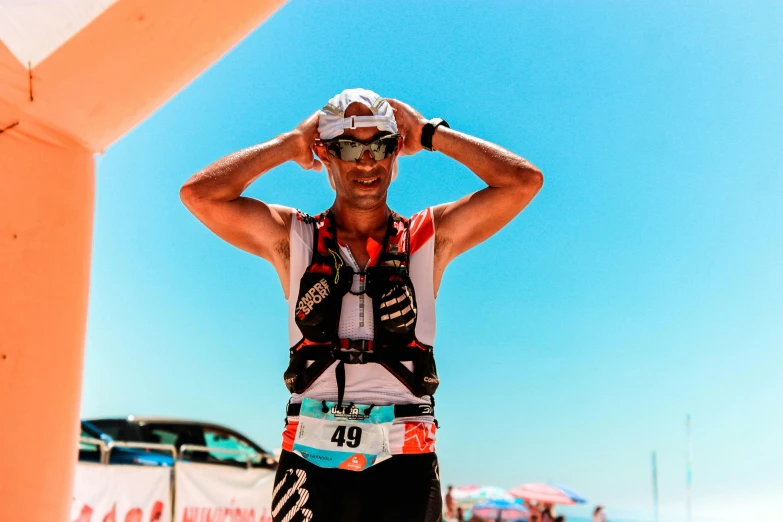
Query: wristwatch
(428,130)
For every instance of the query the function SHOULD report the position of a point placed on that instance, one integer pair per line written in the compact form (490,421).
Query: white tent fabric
(34,29)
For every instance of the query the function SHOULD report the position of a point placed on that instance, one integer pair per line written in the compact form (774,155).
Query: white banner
(120,493)
(206,492)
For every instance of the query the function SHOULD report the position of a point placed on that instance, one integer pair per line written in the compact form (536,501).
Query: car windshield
(229,447)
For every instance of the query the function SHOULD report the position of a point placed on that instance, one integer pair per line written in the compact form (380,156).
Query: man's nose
(366,158)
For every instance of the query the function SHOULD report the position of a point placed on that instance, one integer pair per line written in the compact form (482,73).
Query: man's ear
(321,152)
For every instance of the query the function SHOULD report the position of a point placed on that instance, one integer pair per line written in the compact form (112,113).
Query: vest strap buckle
(355,351)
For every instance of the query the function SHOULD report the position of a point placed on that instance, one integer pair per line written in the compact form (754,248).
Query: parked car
(91,451)
(219,444)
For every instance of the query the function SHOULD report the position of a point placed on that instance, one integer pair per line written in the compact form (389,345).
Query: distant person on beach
(533,508)
(460,515)
(546,514)
(449,502)
(599,515)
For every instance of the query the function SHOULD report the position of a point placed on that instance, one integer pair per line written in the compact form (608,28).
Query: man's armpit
(442,245)
(282,262)
(283,250)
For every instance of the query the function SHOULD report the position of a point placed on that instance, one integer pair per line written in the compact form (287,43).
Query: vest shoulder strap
(397,243)
(324,236)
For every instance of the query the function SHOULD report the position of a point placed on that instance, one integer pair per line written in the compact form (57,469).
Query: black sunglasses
(352,150)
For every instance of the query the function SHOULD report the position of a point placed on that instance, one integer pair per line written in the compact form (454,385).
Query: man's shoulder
(421,218)
(301,224)
(421,215)
(307,219)
(303,217)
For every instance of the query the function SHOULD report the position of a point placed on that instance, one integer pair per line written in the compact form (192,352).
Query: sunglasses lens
(384,147)
(346,150)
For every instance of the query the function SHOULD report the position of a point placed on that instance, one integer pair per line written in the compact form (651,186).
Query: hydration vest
(322,287)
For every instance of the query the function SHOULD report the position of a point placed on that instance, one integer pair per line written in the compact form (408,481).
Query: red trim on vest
(305,342)
(346,344)
(374,250)
(321,268)
(416,344)
(324,224)
(419,438)
(289,434)
(422,229)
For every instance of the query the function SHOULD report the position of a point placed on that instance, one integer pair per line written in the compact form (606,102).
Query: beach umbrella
(467,496)
(500,510)
(570,493)
(540,492)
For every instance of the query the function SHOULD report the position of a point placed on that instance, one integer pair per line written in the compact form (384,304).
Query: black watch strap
(428,130)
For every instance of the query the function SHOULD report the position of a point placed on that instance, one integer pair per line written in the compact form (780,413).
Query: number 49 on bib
(354,436)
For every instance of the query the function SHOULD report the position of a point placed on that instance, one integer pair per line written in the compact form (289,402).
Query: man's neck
(360,223)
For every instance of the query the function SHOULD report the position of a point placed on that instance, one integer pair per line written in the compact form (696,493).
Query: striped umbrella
(467,496)
(570,493)
(540,492)
(500,510)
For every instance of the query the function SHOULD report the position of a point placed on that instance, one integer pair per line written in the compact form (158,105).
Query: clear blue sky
(643,283)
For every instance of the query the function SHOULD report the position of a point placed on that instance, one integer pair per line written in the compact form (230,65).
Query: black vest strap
(400,410)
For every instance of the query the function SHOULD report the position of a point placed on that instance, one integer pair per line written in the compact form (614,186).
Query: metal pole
(689,471)
(655,486)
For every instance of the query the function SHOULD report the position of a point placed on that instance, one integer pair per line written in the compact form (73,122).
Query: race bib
(352,437)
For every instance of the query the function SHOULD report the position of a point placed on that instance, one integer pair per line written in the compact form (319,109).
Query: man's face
(363,184)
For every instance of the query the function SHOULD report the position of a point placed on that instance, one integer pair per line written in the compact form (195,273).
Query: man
(360,282)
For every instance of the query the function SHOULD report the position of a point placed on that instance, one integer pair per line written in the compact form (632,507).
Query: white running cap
(332,121)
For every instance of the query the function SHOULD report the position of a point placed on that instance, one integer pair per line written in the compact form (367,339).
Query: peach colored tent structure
(74,77)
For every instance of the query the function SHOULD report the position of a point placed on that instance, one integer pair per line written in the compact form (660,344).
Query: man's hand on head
(409,123)
(304,136)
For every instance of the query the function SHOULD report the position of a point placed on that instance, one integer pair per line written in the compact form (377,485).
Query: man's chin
(367,199)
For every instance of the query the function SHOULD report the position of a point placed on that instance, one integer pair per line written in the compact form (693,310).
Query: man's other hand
(409,123)
(304,136)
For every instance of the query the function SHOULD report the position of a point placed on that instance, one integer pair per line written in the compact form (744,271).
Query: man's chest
(360,253)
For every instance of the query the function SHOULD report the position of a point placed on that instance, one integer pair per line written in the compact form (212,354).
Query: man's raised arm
(512,182)
(214,195)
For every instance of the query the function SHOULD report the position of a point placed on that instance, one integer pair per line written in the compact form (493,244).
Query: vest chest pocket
(320,297)
(394,303)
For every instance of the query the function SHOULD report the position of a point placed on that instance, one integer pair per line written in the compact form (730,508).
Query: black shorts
(402,488)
